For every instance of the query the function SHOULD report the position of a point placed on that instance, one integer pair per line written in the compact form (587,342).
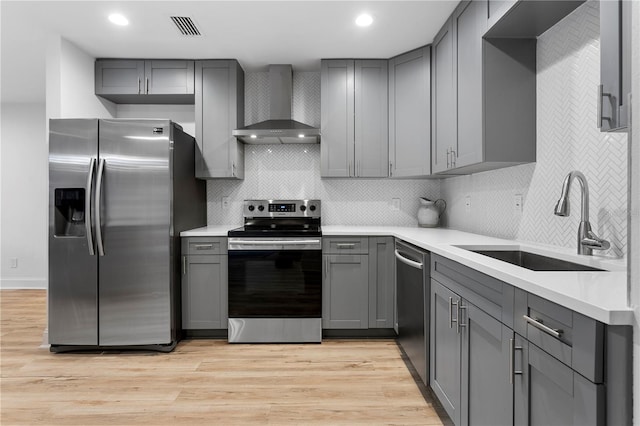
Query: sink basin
(533,261)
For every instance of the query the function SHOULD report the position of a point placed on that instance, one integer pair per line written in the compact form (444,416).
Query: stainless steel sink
(533,261)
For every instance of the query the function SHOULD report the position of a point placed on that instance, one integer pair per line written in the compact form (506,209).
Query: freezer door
(135,205)
(73,270)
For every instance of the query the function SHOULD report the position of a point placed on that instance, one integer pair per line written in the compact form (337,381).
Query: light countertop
(599,295)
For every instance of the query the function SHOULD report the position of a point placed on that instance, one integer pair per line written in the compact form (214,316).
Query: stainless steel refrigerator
(120,192)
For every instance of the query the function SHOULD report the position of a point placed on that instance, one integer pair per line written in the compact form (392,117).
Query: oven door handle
(276,242)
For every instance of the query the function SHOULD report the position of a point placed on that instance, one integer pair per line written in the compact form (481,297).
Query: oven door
(275,278)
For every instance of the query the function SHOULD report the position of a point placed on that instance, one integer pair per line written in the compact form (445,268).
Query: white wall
(24,196)
(184,115)
(568,72)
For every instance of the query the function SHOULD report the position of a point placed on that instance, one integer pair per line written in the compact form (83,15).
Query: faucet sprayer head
(563,207)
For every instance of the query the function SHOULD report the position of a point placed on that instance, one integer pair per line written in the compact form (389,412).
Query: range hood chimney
(280,128)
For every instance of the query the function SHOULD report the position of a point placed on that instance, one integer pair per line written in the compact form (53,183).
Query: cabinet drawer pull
(203,246)
(345,245)
(540,326)
(512,354)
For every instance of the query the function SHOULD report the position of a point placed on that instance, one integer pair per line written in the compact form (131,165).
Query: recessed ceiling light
(253,136)
(364,20)
(118,19)
(301,135)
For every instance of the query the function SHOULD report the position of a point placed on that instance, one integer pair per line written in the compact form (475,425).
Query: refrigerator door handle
(98,218)
(87,206)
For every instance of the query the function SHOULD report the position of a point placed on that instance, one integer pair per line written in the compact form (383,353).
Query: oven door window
(275,284)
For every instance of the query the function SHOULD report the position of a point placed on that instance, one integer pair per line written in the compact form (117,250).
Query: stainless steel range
(275,273)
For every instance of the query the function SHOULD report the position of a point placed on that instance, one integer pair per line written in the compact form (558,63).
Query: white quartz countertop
(599,295)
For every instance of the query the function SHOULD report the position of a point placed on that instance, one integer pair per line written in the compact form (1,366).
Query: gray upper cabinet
(219,110)
(485,118)
(354,118)
(145,81)
(381,282)
(409,114)
(443,95)
(615,65)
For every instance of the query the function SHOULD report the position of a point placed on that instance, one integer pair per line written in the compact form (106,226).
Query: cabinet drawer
(570,337)
(205,245)
(489,294)
(345,245)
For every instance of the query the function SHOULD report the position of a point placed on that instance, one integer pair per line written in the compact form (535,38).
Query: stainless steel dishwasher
(412,275)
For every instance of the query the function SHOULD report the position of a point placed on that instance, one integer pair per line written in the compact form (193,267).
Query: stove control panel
(281,208)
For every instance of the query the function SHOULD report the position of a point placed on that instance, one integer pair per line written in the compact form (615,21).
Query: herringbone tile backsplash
(568,61)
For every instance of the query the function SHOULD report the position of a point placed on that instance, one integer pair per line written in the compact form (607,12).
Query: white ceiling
(257,33)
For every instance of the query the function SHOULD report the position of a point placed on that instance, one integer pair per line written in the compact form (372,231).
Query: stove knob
(312,208)
(303,208)
(251,207)
(261,208)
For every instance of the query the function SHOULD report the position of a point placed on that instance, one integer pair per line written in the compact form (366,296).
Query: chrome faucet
(587,240)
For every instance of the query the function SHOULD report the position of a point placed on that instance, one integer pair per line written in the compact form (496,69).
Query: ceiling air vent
(186,25)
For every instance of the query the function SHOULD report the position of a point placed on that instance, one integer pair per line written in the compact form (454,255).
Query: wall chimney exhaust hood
(280,128)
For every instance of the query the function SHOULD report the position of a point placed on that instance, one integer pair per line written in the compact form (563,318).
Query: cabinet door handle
(453,158)
(138,85)
(537,323)
(390,169)
(459,322)
(147,86)
(184,265)
(233,169)
(451,320)
(448,149)
(512,353)
(601,95)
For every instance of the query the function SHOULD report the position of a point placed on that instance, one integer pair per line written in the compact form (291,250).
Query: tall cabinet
(354,115)
(219,110)
(409,114)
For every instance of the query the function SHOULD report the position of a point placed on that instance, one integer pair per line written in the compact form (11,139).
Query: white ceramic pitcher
(430,211)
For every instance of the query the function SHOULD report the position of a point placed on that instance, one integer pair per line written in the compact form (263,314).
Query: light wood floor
(201,382)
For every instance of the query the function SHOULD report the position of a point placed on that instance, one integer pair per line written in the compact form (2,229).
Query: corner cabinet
(219,110)
(615,65)
(204,283)
(484,93)
(354,118)
(409,114)
(157,81)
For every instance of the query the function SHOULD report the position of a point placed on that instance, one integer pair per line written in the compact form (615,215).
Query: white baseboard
(23,283)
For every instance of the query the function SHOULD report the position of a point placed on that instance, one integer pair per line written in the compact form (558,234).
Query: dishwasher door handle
(406,261)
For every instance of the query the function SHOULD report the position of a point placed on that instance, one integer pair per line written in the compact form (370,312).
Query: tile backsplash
(293,171)
(568,72)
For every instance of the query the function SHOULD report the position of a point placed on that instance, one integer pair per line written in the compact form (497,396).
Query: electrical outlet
(14,262)
(225,203)
(467,204)
(395,204)
(517,203)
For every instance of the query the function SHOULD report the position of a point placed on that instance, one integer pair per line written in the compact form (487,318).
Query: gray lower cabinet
(615,65)
(381,282)
(548,392)
(138,81)
(445,351)
(219,110)
(409,110)
(470,354)
(204,283)
(354,116)
(345,291)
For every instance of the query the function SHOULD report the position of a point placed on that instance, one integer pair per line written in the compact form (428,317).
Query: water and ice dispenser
(69,213)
